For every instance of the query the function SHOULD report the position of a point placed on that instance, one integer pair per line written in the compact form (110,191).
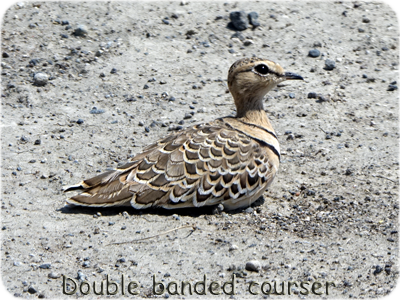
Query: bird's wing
(204,165)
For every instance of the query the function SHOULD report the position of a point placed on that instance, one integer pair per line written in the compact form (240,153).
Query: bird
(229,161)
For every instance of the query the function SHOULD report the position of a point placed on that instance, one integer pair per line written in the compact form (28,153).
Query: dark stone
(38,142)
(253,19)
(34,62)
(113,71)
(378,269)
(312,95)
(64,36)
(32,290)
(65,22)
(348,172)
(392,87)
(80,121)
(314,53)
(239,20)
(5,55)
(329,64)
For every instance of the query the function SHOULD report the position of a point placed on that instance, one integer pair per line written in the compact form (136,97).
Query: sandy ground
(140,70)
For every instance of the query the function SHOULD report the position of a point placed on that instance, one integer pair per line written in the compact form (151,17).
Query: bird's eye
(262,69)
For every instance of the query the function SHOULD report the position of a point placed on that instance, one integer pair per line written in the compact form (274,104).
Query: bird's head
(249,79)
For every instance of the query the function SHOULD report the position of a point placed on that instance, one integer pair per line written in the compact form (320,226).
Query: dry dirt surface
(86,85)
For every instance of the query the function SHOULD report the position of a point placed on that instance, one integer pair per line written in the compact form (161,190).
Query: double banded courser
(231,160)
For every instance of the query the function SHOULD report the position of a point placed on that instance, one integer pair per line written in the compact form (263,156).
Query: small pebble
(317,44)
(314,53)
(378,269)
(40,79)
(312,95)
(253,18)
(24,139)
(95,111)
(45,266)
(365,20)
(253,265)
(233,247)
(348,172)
(32,290)
(248,42)
(81,276)
(239,20)
(81,30)
(5,55)
(80,121)
(330,64)
(54,275)
(38,142)
(86,264)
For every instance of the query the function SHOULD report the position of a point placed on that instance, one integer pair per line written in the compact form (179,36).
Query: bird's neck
(251,110)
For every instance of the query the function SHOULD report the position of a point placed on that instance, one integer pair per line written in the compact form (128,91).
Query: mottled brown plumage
(231,160)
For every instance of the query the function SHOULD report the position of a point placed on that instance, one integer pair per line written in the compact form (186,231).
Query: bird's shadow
(192,212)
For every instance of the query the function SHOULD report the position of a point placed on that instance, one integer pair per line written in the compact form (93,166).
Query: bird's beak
(292,76)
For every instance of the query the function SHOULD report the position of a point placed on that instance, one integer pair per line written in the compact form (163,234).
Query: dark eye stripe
(253,69)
